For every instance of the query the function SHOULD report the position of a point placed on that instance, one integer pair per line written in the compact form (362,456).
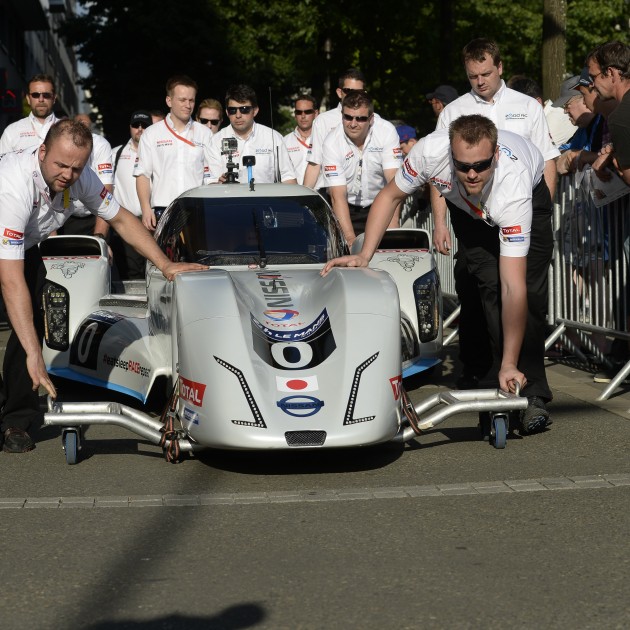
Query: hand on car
(355,260)
(172,269)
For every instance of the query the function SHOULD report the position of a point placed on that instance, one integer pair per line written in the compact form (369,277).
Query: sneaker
(536,417)
(17,441)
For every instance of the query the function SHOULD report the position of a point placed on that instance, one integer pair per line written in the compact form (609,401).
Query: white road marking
(582,482)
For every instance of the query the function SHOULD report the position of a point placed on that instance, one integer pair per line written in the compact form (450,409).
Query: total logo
(396,383)
(300,406)
(191,392)
(280,315)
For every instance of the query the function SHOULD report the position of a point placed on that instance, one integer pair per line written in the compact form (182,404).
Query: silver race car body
(260,351)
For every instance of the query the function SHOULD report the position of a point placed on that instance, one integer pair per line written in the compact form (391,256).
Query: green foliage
(277,46)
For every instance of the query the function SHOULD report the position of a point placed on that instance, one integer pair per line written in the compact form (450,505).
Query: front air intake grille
(305,438)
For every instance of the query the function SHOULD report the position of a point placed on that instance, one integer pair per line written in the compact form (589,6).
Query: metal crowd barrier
(589,288)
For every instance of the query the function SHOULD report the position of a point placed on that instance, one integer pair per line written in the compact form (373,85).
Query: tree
(553,47)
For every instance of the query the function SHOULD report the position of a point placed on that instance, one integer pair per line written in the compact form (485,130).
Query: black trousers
(21,403)
(478,287)
(358,216)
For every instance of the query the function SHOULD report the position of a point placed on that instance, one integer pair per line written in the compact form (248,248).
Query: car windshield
(255,230)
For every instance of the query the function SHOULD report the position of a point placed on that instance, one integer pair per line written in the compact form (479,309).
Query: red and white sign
(191,392)
(13,234)
(297,384)
(396,384)
(514,229)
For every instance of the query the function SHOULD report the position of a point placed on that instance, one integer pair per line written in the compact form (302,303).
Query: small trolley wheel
(498,432)
(484,425)
(71,446)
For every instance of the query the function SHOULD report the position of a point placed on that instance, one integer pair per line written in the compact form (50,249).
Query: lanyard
(478,210)
(192,144)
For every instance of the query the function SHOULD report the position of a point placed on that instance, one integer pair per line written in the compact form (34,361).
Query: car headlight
(426,291)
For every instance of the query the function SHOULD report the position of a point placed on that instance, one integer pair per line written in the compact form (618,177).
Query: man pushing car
(38,189)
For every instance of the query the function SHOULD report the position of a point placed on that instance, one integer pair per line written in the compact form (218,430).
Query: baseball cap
(141,116)
(445,93)
(584,80)
(405,133)
(567,91)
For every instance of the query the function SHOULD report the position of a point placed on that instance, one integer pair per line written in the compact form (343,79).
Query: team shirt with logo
(124,182)
(25,133)
(174,162)
(505,201)
(298,149)
(510,110)
(101,163)
(361,171)
(265,144)
(28,214)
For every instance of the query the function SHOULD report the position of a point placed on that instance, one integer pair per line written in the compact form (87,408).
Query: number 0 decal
(296,354)
(85,341)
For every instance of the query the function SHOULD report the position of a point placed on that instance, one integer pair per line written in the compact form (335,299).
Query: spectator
(441,97)
(501,214)
(352,80)
(31,131)
(210,113)
(359,156)
(406,137)
(253,139)
(156,115)
(567,93)
(298,142)
(173,155)
(124,158)
(37,193)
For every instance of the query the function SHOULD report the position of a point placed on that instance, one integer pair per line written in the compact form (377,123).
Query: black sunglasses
(347,91)
(299,112)
(244,109)
(360,119)
(137,125)
(213,121)
(44,95)
(478,167)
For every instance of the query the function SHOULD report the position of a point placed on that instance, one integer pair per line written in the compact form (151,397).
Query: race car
(259,351)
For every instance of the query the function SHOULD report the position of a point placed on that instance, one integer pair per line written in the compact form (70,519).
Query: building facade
(29,45)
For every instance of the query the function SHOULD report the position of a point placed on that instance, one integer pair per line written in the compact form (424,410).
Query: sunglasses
(138,125)
(213,121)
(347,91)
(359,119)
(299,112)
(45,95)
(244,109)
(478,167)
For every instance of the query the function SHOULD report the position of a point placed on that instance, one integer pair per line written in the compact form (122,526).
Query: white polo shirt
(125,191)
(361,171)
(101,163)
(322,126)
(298,150)
(174,162)
(505,201)
(265,144)
(25,133)
(27,212)
(509,110)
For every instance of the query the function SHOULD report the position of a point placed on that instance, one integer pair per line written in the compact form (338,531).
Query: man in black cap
(130,264)
(441,97)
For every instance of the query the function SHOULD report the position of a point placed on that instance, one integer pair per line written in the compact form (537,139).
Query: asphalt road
(444,532)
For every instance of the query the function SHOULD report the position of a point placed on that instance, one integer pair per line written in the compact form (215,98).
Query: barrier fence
(589,287)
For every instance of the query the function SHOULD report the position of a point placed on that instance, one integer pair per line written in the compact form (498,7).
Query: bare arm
(17,300)
(311,175)
(143,188)
(512,272)
(101,226)
(133,232)
(379,218)
(551,176)
(339,200)
(441,234)
(390,173)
